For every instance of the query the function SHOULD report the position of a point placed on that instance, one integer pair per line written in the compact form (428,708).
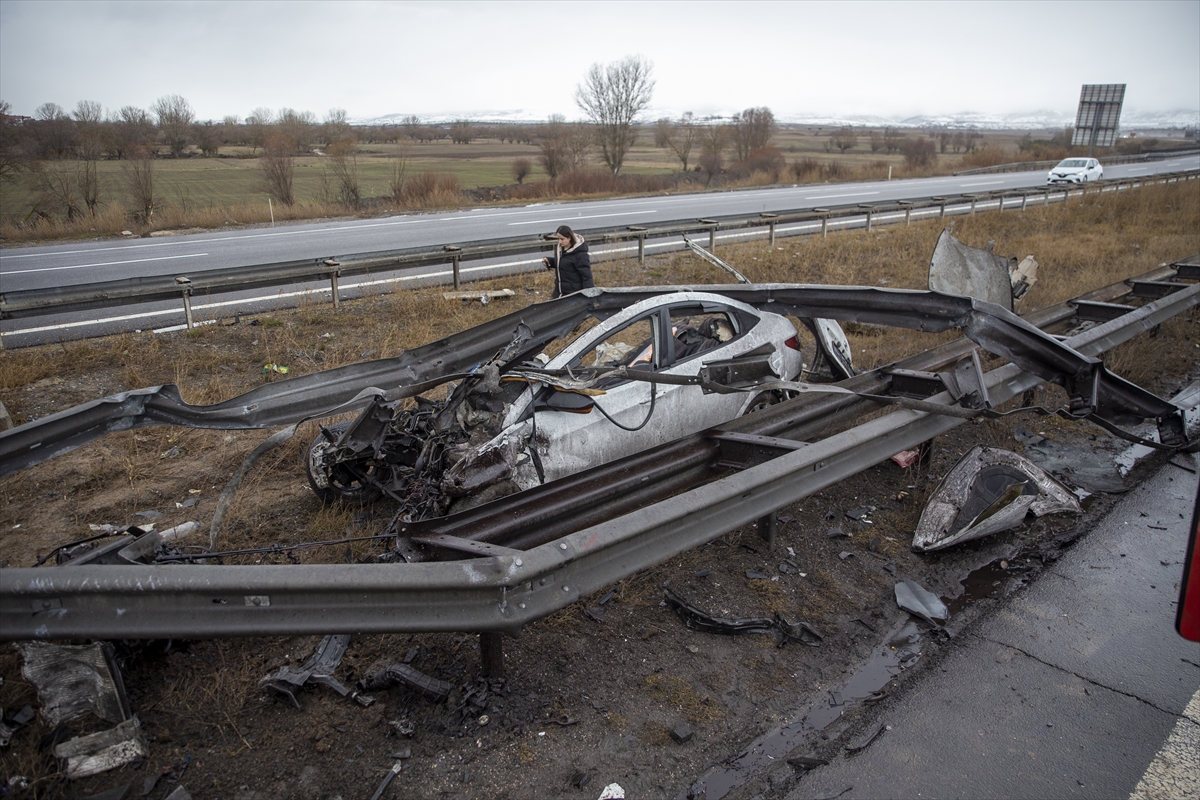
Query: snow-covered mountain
(1131,119)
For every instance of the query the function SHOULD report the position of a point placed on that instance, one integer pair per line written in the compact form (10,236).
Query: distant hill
(1032,120)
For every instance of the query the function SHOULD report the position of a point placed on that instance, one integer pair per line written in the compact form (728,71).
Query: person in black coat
(571,264)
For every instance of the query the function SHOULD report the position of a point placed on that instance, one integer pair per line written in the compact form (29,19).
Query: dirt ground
(591,695)
(615,689)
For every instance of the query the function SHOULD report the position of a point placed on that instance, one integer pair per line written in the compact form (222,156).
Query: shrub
(989,155)
(919,153)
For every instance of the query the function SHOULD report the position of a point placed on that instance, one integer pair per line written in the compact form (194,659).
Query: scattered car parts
(989,490)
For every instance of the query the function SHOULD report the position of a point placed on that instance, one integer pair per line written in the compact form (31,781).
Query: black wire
(649,412)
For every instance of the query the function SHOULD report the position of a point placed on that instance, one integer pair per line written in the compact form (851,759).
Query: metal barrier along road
(40,302)
(514,582)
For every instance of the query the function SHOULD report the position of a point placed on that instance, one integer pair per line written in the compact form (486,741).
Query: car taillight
(793,343)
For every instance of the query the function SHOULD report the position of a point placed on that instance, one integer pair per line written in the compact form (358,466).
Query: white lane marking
(98,264)
(1175,770)
(568,219)
(196,307)
(829,196)
(202,242)
(984,183)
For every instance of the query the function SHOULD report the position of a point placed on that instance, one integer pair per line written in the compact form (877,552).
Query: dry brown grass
(1091,241)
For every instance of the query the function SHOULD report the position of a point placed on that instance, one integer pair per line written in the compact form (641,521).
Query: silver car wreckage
(573,444)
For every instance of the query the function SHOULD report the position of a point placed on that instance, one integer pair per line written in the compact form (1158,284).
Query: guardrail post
(1000,210)
(942,202)
(455,256)
(869,209)
(823,213)
(1024,200)
(768,527)
(907,206)
(712,233)
(770,218)
(974,199)
(333,283)
(641,240)
(1066,194)
(491,654)
(185,283)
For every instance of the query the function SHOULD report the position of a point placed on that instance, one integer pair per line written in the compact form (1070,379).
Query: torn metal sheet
(916,599)
(318,669)
(103,751)
(1095,393)
(73,680)
(700,620)
(989,490)
(956,268)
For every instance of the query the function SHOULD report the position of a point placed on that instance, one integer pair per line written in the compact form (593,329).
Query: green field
(231,183)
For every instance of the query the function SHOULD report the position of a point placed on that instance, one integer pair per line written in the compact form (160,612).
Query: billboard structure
(1099,115)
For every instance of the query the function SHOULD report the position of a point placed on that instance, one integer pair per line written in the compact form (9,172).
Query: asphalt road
(1078,687)
(89,262)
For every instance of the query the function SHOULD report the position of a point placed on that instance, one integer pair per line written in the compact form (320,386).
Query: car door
(634,415)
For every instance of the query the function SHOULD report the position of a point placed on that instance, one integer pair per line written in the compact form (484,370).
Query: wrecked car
(523,419)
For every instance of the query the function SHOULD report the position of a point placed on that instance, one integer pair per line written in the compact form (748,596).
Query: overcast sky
(892,59)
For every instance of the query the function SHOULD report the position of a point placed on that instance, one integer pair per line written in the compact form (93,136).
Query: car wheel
(767,399)
(339,482)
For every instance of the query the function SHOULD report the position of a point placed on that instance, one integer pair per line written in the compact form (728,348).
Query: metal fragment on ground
(700,620)
(989,490)
(863,742)
(410,676)
(916,599)
(102,751)
(73,680)
(317,668)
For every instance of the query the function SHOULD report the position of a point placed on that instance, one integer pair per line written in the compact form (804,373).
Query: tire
(339,485)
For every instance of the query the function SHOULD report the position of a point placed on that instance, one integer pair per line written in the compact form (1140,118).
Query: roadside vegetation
(88,173)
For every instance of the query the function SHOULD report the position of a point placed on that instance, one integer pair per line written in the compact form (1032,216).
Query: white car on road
(1076,170)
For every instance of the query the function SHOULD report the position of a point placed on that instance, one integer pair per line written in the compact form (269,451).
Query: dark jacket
(572,269)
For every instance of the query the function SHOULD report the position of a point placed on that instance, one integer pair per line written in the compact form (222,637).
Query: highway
(37,267)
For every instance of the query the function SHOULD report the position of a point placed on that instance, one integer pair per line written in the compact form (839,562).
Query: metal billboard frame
(1099,115)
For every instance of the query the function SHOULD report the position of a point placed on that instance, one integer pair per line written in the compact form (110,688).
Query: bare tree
(258,126)
(139,178)
(56,186)
(53,131)
(681,136)
(399,173)
(89,119)
(662,131)
(278,167)
(131,128)
(892,139)
(752,129)
(521,167)
(713,140)
(412,126)
(175,118)
(231,130)
(12,158)
(343,162)
(297,128)
(552,142)
(207,136)
(844,139)
(918,153)
(462,131)
(336,126)
(613,97)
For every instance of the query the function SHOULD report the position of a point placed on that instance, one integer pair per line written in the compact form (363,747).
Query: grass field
(206,192)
